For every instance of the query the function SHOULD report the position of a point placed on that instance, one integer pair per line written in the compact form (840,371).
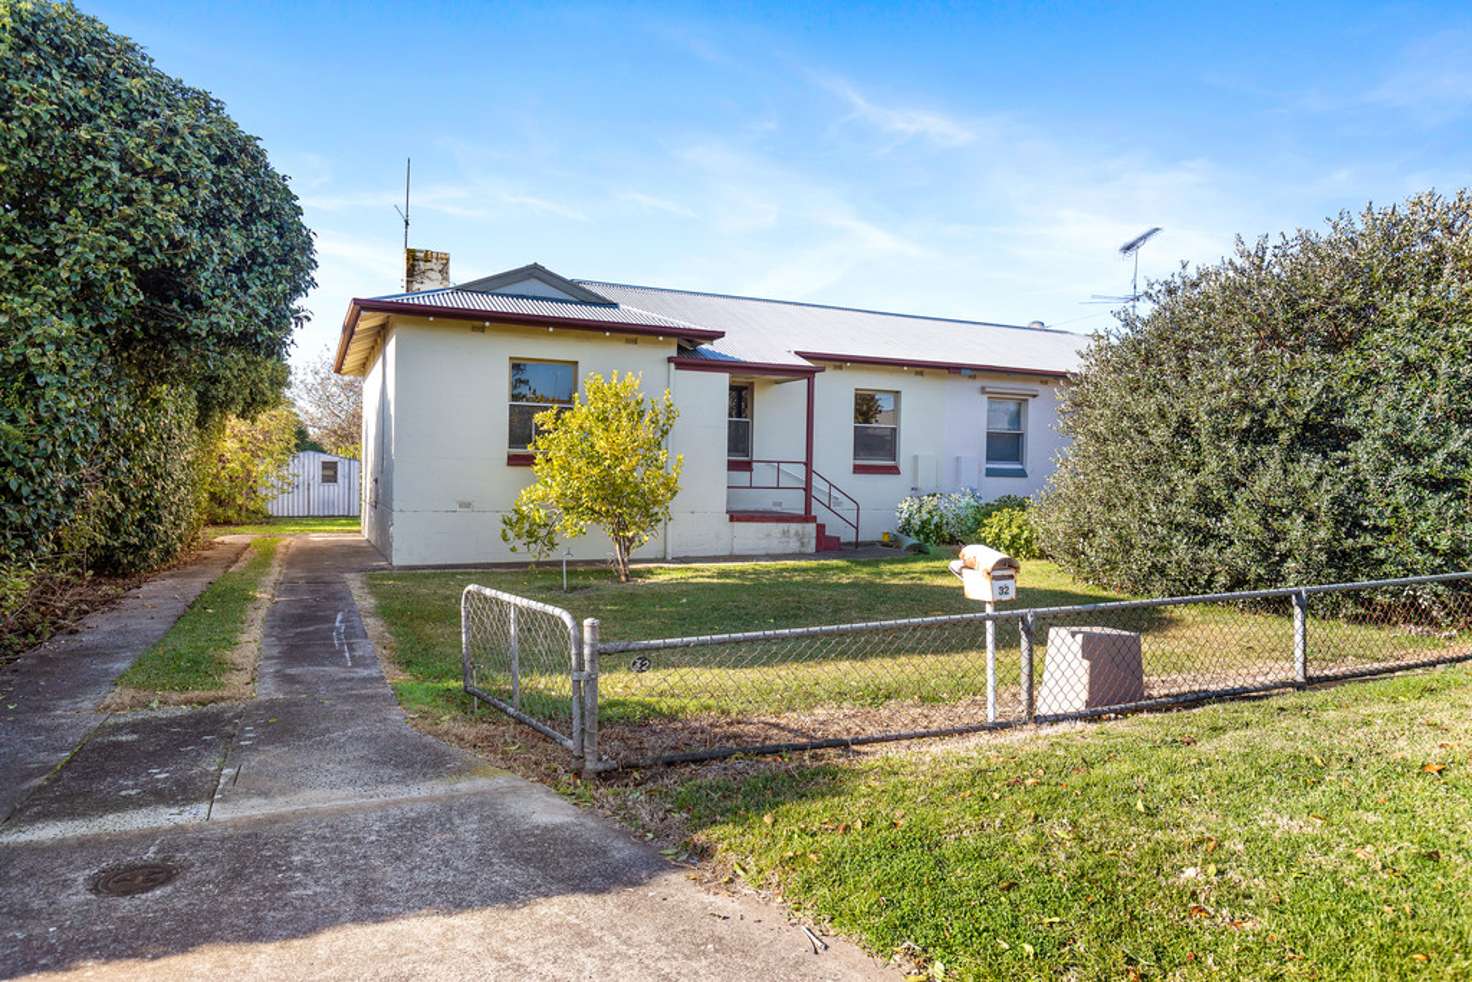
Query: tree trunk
(621,559)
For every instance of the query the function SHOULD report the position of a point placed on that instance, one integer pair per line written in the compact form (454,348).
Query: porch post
(807,481)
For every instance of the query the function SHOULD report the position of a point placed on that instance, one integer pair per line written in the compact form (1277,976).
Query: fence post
(1300,637)
(515,654)
(1029,701)
(467,675)
(576,645)
(991,665)
(590,698)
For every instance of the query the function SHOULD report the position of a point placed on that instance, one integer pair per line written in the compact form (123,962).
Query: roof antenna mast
(1130,249)
(404,211)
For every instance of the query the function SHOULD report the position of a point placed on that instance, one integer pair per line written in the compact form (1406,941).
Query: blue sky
(980,161)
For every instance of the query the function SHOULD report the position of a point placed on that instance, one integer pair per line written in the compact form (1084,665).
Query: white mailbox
(987,574)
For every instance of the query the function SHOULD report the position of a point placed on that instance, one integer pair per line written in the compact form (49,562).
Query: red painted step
(826,542)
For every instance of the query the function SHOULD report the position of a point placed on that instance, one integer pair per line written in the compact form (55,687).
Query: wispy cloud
(307,170)
(688,39)
(480,199)
(545,205)
(847,246)
(348,265)
(655,203)
(782,230)
(901,124)
(1433,78)
(897,205)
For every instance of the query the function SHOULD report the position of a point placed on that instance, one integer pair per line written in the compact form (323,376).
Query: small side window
(876,426)
(1005,433)
(329,472)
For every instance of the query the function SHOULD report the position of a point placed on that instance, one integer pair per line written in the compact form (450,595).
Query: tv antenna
(1130,249)
(404,211)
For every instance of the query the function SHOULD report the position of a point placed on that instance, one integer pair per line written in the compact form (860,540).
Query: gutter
(741,367)
(950,366)
(357,307)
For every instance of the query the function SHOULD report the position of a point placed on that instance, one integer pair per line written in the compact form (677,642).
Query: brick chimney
(425,269)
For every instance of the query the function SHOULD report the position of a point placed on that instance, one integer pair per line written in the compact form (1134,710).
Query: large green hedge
(151,265)
(1300,412)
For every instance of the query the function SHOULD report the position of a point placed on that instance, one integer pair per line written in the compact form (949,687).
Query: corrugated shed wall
(309,495)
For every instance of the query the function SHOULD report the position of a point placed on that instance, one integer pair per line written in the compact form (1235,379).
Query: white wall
(435,435)
(452,480)
(966,433)
(377,451)
(778,432)
(699,525)
(942,437)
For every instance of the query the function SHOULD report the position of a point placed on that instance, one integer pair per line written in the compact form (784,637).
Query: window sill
(517,458)
(738,465)
(993,470)
(876,468)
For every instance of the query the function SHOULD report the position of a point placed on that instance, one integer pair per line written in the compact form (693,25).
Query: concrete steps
(827,542)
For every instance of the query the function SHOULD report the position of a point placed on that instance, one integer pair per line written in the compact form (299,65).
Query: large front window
(1005,437)
(738,422)
(876,426)
(537,386)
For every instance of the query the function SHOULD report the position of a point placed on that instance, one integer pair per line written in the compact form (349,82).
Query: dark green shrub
(1300,412)
(149,277)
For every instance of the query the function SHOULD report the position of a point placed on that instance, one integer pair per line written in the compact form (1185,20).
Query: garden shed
(319,484)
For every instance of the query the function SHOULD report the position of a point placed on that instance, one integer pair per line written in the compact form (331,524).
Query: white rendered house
(801,425)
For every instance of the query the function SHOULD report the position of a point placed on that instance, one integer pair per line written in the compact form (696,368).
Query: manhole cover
(131,880)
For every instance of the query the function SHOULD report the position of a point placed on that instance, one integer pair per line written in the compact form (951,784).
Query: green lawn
(286,526)
(194,655)
(422,611)
(1187,647)
(1317,835)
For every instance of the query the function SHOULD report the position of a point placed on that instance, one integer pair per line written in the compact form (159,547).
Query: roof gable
(534,280)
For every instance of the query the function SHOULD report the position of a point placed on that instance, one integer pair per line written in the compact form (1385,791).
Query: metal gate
(525,659)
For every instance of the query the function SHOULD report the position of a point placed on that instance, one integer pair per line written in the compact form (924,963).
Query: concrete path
(49,696)
(312,833)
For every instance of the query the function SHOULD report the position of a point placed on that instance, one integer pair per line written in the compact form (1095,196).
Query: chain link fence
(524,658)
(642,703)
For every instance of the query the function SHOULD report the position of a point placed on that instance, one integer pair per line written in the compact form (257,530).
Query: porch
(791,491)
(770,479)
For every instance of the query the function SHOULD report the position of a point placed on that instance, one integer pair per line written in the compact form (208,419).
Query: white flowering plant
(940,518)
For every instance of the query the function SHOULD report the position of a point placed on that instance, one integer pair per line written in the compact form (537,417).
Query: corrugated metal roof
(764,332)
(514,304)
(771,331)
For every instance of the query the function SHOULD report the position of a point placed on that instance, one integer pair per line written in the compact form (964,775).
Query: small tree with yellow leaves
(602,461)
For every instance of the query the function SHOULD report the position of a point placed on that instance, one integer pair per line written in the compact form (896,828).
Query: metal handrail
(831,488)
(837,514)
(779,486)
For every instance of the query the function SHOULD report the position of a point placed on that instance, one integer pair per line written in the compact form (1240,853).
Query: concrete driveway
(311,833)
